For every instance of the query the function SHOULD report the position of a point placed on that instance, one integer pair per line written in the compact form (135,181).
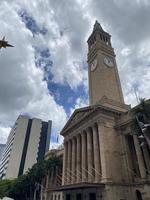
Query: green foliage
(23,186)
(19,187)
(37,172)
(54,162)
(5,187)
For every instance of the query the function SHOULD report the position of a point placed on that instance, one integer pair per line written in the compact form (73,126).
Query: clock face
(94,65)
(108,61)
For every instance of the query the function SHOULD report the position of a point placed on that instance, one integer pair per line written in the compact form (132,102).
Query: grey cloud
(22,88)
(68,24)
(128,19)
(69,15)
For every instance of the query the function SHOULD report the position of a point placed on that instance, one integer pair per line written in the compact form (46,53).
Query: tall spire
(97,26)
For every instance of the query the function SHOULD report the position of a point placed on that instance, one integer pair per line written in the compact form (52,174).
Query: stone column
(47,185)
(51,177)
(139,156)
(78,171)
(96,154)
(64,162)
(47,179)
(68,170)
(84,157)
(89,155)
(146,156)
(103,143)
(73,160)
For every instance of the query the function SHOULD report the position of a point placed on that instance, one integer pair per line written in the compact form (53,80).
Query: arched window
(138,195)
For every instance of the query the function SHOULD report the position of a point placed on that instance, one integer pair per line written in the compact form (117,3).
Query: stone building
(102,158)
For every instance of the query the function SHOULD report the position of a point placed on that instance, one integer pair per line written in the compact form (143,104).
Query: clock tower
(102,68)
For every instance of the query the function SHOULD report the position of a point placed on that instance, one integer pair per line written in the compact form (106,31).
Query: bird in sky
(4,43)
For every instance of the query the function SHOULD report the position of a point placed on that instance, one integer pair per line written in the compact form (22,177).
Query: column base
(106,180)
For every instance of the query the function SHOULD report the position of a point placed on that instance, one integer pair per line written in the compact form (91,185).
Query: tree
(5,187)
(24,186)
(141,120)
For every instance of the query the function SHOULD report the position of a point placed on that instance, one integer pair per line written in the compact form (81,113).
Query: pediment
(77,116)
(104,105)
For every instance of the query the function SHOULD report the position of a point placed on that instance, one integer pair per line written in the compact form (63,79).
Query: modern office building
(2,147)
(27,143)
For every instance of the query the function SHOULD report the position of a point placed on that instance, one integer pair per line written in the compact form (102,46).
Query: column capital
(100,122)
(83,133)
(74,138)
(65,142)
(94,126)
(88,130)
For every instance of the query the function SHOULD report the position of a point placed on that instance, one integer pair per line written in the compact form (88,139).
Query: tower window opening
(101,36)
(104,38)
(107,41)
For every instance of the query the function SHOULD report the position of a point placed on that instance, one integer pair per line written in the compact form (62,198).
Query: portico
(83,163)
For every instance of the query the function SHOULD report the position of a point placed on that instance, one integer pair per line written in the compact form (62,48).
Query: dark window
(78,197)
(92,196)
(68,197)
(138,195)
(104,38)
(101,36)
(25,147)
(42,143)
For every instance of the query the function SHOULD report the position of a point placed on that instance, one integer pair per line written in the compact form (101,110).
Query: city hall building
(102,158)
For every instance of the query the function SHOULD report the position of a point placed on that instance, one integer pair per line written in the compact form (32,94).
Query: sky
(45,74)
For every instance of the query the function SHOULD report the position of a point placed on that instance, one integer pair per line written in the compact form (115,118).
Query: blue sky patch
(31,24)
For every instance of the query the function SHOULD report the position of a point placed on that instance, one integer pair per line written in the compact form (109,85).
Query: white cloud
(69,24)
(22,88)
(80,103)
(66,37)
(4,134)
(126,51)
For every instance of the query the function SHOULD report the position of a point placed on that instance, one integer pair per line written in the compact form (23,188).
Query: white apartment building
(2,147)
(27,143)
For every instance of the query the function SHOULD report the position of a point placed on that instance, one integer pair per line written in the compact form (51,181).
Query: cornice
(101,47)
